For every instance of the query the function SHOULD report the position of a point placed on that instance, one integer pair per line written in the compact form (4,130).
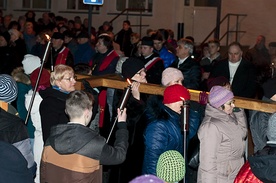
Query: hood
(263,167)
(219,114)
(65,138)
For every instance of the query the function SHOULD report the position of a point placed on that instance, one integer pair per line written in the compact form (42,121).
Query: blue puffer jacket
(163,133)
(167,56)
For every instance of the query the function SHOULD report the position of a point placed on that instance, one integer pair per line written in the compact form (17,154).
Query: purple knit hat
(219,96)
(147,179)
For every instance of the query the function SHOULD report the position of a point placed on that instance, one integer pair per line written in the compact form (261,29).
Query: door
(199,19)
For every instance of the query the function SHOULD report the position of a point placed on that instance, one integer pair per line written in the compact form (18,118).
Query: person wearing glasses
(222,135)
(52,107)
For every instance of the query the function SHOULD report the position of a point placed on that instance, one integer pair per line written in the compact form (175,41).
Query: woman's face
(229,106)
(176,81)
(67,83)
(176,106)
(140,76)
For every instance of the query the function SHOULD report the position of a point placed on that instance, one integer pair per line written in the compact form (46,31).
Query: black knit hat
(6,35)
(131,66)
(58,35)
(148,41)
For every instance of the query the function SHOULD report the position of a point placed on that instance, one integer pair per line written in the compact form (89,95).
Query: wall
(260,18)
(166,14)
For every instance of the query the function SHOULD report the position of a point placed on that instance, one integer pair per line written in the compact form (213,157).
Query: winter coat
(13,131)
(84,53)
(154,71)
(104,63)
(52,110)
(258,123)
(191,72)
(163,133)
(167,56)
(222,145)
(74,153)
(244,82)
(260,167)
(36,122)
(22,110)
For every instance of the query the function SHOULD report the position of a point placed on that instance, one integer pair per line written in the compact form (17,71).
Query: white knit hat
(171,74)
(30,63)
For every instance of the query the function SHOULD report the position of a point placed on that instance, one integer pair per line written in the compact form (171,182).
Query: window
(3,4)
(78,5)
(134,4)
(37,4)
(208,3)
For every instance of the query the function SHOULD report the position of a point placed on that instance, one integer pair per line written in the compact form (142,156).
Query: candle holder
(122,105)
(38,77)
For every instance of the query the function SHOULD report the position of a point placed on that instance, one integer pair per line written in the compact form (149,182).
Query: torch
(38,77)
(185,124)
(122,105)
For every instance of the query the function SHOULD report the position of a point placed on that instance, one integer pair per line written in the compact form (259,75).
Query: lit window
(78,5)
(37,4)
(134,4)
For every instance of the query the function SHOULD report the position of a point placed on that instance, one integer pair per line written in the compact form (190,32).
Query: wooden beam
(115,81)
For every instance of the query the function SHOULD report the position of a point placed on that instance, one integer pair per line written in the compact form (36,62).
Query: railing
(236,31)
(114,81)
(126,12)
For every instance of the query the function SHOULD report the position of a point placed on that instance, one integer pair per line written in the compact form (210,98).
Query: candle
(125,96)
(185,114)
(46,51)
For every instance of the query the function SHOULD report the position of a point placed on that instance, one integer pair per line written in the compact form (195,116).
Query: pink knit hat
(171,74)
(175,93)
(219,96)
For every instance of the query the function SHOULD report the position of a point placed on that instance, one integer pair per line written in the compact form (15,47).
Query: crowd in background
(66,131)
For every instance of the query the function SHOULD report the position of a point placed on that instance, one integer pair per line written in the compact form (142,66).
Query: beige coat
(222,146)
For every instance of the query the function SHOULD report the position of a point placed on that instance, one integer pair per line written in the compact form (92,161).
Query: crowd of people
(61,132)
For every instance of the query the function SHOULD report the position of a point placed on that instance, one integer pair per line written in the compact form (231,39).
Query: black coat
(52,110)
(244,82)
(154,74)
(191,72)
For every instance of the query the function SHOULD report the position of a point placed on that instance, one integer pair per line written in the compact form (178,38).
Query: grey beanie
(271,128)
(8,88)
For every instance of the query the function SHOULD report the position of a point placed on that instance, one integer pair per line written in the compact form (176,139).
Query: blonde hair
(19,76)
(59,72)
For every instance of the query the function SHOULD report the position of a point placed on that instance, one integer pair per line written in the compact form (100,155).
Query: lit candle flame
(129,82)
(48,37)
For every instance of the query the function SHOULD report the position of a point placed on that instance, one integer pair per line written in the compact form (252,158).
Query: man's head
(158,41)
(4,39)
(82,37)
(213,46)
(57,40)
(184,48)
(79,106)
(133,68)
(126,25)
(260,42)
(104,43)
(147,46)
(234,52)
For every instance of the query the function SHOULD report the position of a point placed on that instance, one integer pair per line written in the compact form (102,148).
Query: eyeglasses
(230,102)
(71,78)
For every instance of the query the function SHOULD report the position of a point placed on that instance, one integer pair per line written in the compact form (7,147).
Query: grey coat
(222,145)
